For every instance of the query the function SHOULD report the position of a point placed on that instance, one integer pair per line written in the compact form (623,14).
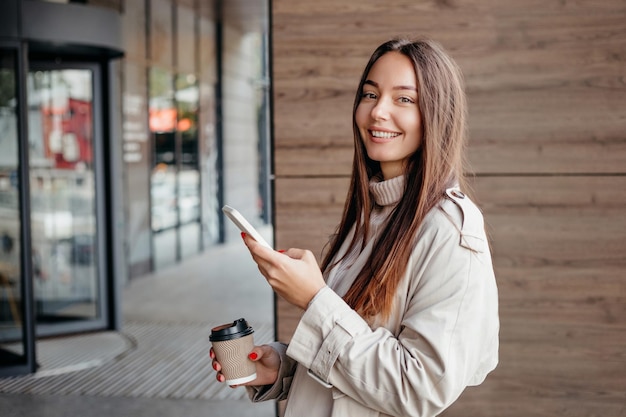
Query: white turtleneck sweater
(386,195)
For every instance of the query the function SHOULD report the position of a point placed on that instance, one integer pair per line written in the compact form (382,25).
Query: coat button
(457,194)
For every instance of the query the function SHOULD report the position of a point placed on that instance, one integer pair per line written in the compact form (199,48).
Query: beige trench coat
(441,338)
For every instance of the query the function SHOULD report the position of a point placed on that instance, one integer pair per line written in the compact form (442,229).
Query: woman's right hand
(267,364)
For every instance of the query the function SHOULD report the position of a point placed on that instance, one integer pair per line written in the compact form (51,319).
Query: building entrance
(60,254)
(65,197)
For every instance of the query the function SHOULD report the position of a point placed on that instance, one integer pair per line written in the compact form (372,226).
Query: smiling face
(388,116)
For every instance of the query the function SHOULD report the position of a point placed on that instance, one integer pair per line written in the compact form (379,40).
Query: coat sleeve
(448,338)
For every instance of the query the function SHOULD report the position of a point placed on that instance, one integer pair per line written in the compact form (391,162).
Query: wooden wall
(546,82)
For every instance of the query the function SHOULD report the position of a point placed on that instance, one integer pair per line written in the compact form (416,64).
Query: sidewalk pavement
(158,365)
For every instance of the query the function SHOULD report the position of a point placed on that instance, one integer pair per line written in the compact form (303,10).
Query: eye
(407,100)
(368,95)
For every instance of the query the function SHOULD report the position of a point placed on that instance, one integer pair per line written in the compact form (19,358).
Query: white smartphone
(244,225)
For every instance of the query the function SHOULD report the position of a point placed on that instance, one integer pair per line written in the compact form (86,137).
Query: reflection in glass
(175,179)
(63,206)
(187,100)
(11,310)
(165,248)
(163,192)
(163,129)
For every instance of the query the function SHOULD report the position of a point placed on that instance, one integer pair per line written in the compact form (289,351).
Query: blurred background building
(125,125)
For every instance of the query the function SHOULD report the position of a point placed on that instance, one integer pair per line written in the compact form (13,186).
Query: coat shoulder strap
(472,227)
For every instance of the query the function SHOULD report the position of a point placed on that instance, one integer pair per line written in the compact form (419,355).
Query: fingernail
(222,378)
(282,251)
(243,235)
(215,366)
(253,356)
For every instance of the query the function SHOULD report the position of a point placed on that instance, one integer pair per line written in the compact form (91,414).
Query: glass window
(63,195)
(208,131)
(162,121)
(163,179)
(188,102)
(11,309)
(175,178)
(187,99)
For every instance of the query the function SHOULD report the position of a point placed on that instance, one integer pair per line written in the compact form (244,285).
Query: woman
(404,312)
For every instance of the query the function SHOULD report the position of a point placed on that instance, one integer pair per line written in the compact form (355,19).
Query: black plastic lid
(238,328)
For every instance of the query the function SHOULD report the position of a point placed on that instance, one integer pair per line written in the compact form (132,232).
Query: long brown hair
(430,170)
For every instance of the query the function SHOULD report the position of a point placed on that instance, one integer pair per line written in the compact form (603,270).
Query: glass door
(65,188)
(17,352)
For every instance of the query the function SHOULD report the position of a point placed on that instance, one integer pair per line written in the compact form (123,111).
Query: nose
(380,111)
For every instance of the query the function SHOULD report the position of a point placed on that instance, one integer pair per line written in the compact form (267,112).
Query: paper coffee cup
(232,342)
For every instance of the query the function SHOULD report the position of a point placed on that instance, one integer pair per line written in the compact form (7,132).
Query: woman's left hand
(294,274)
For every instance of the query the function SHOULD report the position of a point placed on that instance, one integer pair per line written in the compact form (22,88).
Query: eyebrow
(397,87)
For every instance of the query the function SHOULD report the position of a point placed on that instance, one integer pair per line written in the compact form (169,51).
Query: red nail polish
(282,251)
(243,235)
(253,356)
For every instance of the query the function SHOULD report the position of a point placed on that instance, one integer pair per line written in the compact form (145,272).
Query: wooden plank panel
(546,86)
(558,245)
(314,161)
(547,94)
(288,317)
(495,45)
(413,8)
(307,212)
(521,131)
(314,117)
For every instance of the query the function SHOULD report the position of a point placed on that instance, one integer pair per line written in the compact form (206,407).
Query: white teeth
(384,135)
